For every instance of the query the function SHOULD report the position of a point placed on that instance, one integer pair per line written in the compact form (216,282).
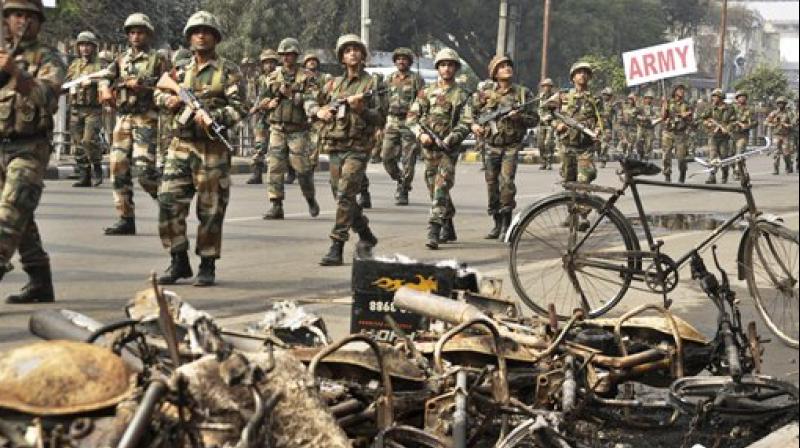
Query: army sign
(660,62)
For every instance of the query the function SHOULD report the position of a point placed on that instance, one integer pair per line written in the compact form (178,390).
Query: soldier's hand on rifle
(286,91)
(325,114)
(202,119)
(173,102)
(106,97)
(561,127)
(426,140)
(7,63)
(356,103)
(271,104)
(477,130)
(132,83)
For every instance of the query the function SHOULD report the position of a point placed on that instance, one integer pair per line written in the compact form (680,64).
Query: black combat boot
(291,175)
(682,168)
(787,160)
(505,221)
(725,171)
(257,177)
(712,178)
(334,255)
(434,229)
(667,178)
(366,242)
(125,226)
(365,200)
(276,211)
(401,194)
(448,232)
(313,207)
(495,232)
(85,179)
(39,288)
(97,173)
(179,268)
(776,166)
(206,272)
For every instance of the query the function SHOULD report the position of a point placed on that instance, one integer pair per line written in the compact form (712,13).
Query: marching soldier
(544,133)
(288,95)
(133,76)
(743,123)
(648,117)
(86,113)
(311,64)
(353,113)
(781,121)
(676,115)
(718,120)
(607,113)
(627,125)
(438,120)
(30,92)
(269,61)
(503,139)
(197,161)
(399,143)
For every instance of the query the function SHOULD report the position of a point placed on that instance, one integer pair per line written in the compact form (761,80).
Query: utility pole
(545,39)
(513,30)
(723,29)
(502,28)
(365,22)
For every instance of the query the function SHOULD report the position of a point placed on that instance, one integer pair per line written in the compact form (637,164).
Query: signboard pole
(723,29)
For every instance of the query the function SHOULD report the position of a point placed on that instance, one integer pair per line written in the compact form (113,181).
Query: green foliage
(607,72)
(765,83)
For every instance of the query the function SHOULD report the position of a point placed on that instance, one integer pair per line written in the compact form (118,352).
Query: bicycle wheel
(545,270)
(771,266)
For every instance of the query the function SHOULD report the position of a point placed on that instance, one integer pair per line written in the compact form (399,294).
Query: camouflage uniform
(85,119)
(320,79)
(781,120)
(607,114)
(646,116)
(26,125)
(545,140)
(627,126)
(740,129)
(261,128)
(724,116)
(674,138)
(577,163)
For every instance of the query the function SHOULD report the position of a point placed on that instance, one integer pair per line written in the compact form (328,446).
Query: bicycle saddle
(638,168)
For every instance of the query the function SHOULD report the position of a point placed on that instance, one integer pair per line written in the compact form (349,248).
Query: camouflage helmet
(580,65)
(87,37)
(649,94)
(268,55)
(717,92)
(206,19)
(781,99)
(607,91)
(403,51)
(349,39)
(138,19)
(289,45)
(678,85)
(247,61)
(546,82)
(310,56)
(632,96)
(741,93)
(25,5)
(181,58)
(494,64)
(447,54)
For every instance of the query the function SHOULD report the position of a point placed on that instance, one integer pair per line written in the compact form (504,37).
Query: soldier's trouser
(627,139)
(501,170)
(546,143)
(133,155)
(348,171)
(22,168)
(644,141)
(84,132)
(260,143)
(603,147)
(164,138)
(440,177)
(577,165)
(316,146)
(676,142)
(400,145)
(201,167)
(784,145)
(289,148)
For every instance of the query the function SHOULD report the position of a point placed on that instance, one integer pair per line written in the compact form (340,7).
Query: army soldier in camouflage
(30,83)
(676,114)
(607,114)
(85,118)
(269,61)
(287,96)
(399,144)
(627,125)
(781,121)
(198,162)
(648,117)
(352,113)
(439,113)
(740,128)
(545,140)
(311,65)
(503,138)
(718,121)
(133,76)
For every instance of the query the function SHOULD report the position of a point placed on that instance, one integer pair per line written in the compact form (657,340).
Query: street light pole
(365,22)
(502,28)
(545,38)
(723,29)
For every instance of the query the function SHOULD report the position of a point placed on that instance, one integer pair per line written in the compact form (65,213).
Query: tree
(765,84)
(607,72)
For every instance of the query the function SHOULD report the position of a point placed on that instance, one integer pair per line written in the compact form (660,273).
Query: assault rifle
(193,108)
(100,74)
(436,139)
(717,125)
(573,123)
(337,106)
(502,111)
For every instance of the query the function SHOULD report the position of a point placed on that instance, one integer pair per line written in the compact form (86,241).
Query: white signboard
(660,62)
(49,3)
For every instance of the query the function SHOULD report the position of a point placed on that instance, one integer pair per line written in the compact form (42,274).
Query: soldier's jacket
(83,95)
(545,112)
(441,108)
(32,114)
(218,86)
(351,131)
(403,89)
(292,111)
(647,114)
(673,112)
(723,115)
(608,113)
(146,66)
(627,115)
(743,119)
(781,121)
(582,107)
(507,130)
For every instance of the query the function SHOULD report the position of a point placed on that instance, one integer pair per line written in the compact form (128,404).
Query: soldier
(30,92)
(627,125)
(134,75)
(399,143)
(648,118)
(544,133)
(108,115)
(287,96)
(740,129)
(269,61)
(351,116)
(311,64)
(503,139)
(718,120)
(439,114)
(607,114)
(196,161)
(781,121)
(85,112)
(676,115)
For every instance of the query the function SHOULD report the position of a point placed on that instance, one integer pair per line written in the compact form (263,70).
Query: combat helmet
(607,91)
(289,45)
(138,19)
(310,56)
(25,5)
(268,54)
(402,51)
(649,94)
(447,54)
(678,85)
(206,19)
(632,96)
(546,82)
(494,64)
(717,92)
(580,65)
(741,93)
(781,99)
(349,39)
(181,58)
(87,37)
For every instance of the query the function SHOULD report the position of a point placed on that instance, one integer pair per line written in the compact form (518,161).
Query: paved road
(267,261)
